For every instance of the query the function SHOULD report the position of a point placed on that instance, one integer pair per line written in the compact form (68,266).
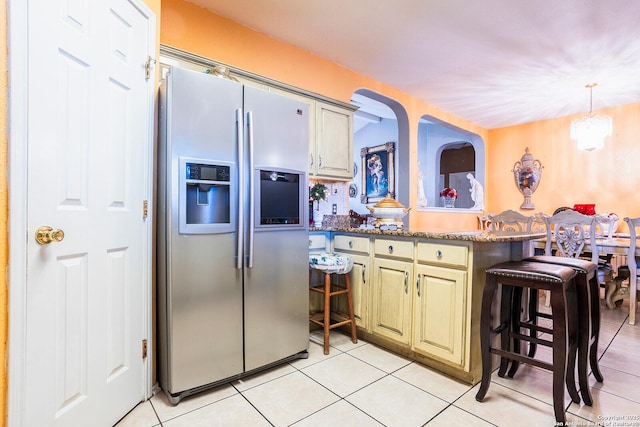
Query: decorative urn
(388,213)
(527,173)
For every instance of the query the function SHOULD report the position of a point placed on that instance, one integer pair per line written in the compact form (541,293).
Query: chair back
(632,260)
(509,222)
(571,231)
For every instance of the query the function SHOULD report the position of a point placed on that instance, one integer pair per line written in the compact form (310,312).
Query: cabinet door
(360,284)
(439,314)
(334,142)
(391,299)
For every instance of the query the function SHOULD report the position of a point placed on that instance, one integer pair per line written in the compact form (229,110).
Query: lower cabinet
(358,249)
(439,313)
(391,299)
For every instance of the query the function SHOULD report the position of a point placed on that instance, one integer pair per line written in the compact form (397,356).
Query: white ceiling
(493,62)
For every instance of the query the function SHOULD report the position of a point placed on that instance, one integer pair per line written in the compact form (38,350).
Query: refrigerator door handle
(251,187)
(240,228)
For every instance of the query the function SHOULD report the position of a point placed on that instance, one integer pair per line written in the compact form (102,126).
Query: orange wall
(191,28)
(606,177)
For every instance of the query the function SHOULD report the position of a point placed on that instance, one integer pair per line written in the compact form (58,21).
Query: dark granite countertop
(472,235)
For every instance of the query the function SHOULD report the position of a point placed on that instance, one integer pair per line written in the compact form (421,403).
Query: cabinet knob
(390,248)
(439,254)
(350,244)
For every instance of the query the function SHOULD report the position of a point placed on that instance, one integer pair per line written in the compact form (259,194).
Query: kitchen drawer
(393,248)
(317,242)
(440,254)
(351,243)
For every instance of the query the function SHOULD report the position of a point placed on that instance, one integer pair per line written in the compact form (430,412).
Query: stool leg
(327,311)
(508,296)
(573,322)
(584,335)
(516,315)
(595,328)
(485,335)
(354,336)
(533,319)
(559,352)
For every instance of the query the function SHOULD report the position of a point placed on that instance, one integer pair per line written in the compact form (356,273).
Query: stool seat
(514,276)
(331,263)
(339,266)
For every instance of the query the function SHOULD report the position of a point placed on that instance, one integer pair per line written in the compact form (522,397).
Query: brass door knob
(46,235)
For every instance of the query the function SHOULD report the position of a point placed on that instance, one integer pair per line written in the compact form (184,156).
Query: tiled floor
(362,385)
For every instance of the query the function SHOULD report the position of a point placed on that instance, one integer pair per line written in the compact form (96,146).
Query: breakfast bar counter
(418,293)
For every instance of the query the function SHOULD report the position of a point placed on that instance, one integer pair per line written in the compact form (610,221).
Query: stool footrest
(533,340)
(320,290)
(522,358)
(537,328)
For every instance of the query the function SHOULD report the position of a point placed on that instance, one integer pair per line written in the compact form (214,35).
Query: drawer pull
(309,242)
(390,248)
(350,244)
(439,254)
(418,285)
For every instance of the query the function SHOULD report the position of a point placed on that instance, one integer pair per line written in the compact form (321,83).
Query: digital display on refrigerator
(279,198)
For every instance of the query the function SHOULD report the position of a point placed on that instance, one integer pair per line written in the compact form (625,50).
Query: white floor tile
(343,374)
(142,415)
(167,411)
(380,358)
(431,381)
(341,414)
(381,388)
(233,411)
(456,417)
(290,398)
(393,402)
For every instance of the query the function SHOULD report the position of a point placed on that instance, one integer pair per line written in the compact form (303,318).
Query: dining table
(618,246)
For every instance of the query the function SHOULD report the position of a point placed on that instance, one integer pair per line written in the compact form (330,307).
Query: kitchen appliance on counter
(232,263)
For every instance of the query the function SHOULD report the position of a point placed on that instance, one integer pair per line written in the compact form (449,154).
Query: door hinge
(144,349)
(147,67)
(145,209)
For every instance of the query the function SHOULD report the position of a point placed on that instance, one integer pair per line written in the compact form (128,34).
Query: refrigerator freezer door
(201,315)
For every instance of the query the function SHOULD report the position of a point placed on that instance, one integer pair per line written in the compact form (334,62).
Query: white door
(88,113)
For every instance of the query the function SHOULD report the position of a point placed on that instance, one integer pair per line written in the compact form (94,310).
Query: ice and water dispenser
(207,196)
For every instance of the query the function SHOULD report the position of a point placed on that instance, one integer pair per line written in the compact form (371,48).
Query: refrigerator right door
(277,275)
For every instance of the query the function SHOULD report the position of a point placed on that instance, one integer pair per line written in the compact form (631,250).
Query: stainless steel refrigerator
(232,264)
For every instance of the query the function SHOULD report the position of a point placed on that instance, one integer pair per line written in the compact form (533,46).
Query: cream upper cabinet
(331,154)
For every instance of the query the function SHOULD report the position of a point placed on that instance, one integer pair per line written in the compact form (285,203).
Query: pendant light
(590,131)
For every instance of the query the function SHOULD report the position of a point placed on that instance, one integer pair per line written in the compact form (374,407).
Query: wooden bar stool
(588,292)
(560,283)
(339,265)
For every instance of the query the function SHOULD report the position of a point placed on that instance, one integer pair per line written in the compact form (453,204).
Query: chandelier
(589,132)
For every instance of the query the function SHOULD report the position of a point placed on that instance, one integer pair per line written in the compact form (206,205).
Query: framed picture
(378,174)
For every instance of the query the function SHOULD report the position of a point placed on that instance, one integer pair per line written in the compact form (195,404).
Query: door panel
(88,142)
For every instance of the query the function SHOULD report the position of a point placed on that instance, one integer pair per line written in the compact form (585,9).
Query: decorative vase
(317,218)
(527,173)
(449,202)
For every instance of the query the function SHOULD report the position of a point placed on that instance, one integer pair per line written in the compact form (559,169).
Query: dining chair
(509,222)
(634,270)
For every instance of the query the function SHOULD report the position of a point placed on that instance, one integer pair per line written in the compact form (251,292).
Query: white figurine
(422,199)
(477,193)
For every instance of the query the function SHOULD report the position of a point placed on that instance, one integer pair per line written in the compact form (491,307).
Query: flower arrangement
(318,192)
(449,192)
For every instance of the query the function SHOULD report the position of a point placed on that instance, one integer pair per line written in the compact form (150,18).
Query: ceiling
(493,62)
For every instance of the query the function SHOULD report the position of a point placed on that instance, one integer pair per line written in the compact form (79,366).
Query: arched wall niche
(434,137)
(394,126)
